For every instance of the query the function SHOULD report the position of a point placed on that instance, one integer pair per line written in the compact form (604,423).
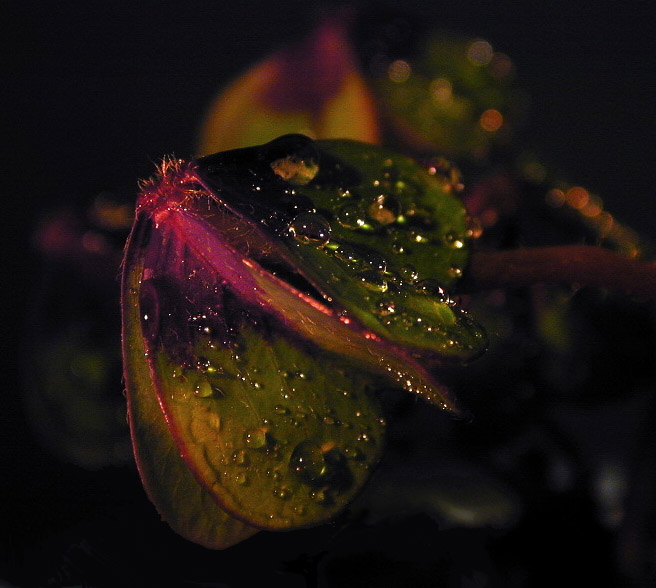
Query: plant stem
(583,265)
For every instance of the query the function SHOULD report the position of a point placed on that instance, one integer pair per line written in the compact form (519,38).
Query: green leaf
(188,508)
(254,344)
(384,241)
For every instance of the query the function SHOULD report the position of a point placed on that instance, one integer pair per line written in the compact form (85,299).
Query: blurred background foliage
(554,479)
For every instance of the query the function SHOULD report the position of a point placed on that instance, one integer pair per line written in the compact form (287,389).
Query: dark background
(95,93)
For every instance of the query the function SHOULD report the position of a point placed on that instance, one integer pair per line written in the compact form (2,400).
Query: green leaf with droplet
(384,240)
(188,507)
(253,350)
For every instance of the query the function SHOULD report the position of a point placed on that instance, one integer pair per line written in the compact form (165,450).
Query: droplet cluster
(375,246)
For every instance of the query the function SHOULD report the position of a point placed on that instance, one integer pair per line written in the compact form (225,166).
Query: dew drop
(384,209)
(203,389)
(240,458)
(353,453)
(418,237)
(204,365)
(454,241)
(474,227)
(385,308)
(405,188)
(352,216)
(365,438)
(409,273)
(320,496)
(447,174)
(431,287)
(256,438)
(310,228)
(455,272)
(373,280)
(307,462)
(295,170)
(360,258)
(149,309)
(242,479)
(282,492)
(280,410)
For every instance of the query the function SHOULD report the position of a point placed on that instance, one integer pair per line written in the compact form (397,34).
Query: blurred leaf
(311,87)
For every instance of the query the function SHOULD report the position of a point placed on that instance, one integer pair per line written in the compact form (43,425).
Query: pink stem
(584,265)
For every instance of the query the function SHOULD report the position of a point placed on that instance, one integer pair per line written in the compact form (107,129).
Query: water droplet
(203,389)
(204,365)
(352,216)
(398,247)
(474,227)
(353,453)
(431,287)
(240,458)
(310,228)
(454,241)
(419,237)
(447,174)
(384,209)
(328,420)
(409,273)
(385,307)
(308,463)
(455,272)
(373,280)
(406,187)
(280,410)
(282,492)
(149,309)
(295,170)
(365,438)
(360,258)
(320,497)
(256,438)
(242,479)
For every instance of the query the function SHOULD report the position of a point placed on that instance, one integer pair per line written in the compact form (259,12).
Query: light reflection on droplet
(310,229)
